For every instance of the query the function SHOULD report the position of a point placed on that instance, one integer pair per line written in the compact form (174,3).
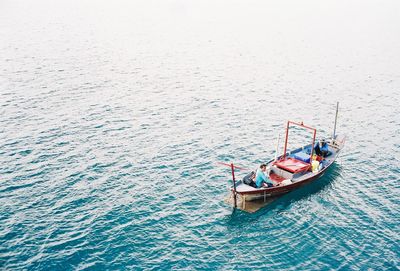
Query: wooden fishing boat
(292,169)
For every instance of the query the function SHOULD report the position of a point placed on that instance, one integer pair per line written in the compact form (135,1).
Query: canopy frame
(289,123)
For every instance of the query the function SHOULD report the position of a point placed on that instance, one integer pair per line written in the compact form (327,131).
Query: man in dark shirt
(321,148)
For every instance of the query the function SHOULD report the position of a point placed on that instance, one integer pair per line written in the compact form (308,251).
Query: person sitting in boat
(324,148)
(321,148)
(261,178)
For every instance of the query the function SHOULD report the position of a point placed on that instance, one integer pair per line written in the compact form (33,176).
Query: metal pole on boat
(286,140)
(277,147)
(334,129)
(234,185)
(312,148)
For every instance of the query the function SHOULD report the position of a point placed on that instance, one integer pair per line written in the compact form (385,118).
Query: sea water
(114,115)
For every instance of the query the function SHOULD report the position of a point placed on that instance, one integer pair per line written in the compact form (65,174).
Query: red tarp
(292,165)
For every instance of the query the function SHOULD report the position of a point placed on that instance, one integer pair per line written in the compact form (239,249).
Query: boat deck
(275,177)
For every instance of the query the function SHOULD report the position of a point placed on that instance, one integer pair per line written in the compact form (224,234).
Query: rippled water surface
(114,115)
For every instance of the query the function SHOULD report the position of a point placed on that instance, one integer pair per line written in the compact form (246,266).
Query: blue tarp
(302,156)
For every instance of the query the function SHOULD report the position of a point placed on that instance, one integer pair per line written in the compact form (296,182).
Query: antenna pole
(334,129)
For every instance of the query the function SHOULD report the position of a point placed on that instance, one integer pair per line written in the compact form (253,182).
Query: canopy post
(312,147)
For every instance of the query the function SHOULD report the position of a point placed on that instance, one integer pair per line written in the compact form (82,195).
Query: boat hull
(277,191)
(249,193)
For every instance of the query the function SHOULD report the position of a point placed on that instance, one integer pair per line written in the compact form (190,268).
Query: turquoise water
(115,114)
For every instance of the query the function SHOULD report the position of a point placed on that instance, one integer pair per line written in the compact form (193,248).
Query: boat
(292,169)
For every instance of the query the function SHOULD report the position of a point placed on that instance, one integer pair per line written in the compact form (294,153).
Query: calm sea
(114,114)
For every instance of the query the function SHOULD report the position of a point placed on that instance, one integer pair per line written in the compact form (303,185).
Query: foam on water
(114,116)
